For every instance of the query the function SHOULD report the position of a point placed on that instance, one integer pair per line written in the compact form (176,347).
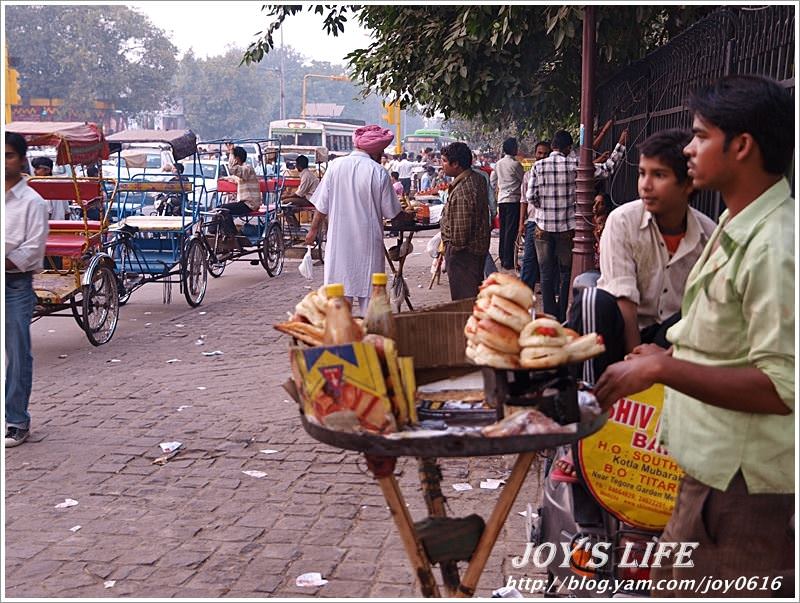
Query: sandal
(564,471)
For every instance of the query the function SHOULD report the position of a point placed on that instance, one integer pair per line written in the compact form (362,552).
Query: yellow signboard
(625,469)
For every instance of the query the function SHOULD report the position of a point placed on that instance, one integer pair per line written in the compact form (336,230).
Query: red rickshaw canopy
(75,142)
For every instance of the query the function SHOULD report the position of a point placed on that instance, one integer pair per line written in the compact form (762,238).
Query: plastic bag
(306,267)
(433,245)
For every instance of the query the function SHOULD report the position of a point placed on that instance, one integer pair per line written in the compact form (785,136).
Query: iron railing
(649,95)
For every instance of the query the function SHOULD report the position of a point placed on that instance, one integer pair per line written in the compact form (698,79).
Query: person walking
(26,229)
(356,195)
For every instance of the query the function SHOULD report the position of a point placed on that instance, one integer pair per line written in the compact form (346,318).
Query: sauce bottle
(339,325)
(379,319)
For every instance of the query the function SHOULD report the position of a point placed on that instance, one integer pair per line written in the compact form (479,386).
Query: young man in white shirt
(647,249)
(26,229)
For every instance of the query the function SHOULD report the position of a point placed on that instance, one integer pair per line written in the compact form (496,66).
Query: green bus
(424,138)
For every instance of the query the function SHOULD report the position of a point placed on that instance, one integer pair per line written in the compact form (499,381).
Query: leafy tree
(85,53)
(500,64)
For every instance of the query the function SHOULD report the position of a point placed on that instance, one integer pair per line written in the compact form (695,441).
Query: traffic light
(392,115)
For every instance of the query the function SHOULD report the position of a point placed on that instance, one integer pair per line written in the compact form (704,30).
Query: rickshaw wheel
(217,269)
(194,273)
(76,308)
(100,305)
(271,251)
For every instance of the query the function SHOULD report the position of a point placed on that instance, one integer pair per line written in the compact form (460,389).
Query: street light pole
(338,78)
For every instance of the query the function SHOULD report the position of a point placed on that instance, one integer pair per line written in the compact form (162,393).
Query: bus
(422,139)
(336,136)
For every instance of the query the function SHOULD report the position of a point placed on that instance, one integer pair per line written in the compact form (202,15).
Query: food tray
(448,445)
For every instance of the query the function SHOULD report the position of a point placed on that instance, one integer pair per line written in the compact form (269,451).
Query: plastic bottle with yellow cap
(339,325)
(379,319)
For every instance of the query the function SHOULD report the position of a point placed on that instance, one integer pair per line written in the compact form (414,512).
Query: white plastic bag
(433,245)
(306,267)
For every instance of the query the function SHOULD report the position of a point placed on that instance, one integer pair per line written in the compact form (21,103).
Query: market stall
(363,386)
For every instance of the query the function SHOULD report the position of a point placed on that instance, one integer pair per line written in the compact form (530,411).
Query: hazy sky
(210,27)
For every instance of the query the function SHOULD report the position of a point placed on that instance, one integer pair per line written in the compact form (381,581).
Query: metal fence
(649,95)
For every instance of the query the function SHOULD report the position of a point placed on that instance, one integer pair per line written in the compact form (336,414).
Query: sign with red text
(625,469)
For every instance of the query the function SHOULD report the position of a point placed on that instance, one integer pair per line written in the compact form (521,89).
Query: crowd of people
(704,308)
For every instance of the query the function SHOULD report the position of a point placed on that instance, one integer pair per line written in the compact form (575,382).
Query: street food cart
(363,396)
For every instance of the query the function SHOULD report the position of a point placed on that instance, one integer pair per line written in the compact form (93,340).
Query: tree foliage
(90,52)
(501,64)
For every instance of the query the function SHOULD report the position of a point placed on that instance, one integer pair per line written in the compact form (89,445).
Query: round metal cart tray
(448,445)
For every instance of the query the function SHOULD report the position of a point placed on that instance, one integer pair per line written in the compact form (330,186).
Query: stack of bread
(546,344)
(500,313)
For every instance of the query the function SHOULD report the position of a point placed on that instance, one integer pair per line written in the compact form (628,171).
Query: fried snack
(305,332)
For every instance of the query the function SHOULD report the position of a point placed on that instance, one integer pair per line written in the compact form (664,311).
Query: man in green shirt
(729,404)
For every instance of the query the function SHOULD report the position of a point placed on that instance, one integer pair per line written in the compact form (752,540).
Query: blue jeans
(20,301)
(530,261)
(554,250)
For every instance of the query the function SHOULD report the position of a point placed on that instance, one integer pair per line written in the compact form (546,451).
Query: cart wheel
(123,277)
(216,269)
(76,308)
(271,251)
(100,305)
(194,273)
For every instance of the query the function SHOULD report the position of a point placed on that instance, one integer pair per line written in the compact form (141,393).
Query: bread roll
(308,309)
(585,347)
(542,332)
(498,337)
(507,286)
(480,307)
(471,329)
(486,356)
(543,357)
(507,313)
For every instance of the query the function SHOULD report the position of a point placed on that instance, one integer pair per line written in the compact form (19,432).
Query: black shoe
(15,436)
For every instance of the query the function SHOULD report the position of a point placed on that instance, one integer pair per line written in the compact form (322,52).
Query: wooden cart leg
(382,469)
(430,477)
(495,524)
(402,518)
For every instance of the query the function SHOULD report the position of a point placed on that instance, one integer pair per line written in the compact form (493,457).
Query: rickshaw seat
(226,186)
(65,245)
(75,226)
(63,189)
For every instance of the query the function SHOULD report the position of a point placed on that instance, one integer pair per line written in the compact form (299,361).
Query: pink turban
(372,139)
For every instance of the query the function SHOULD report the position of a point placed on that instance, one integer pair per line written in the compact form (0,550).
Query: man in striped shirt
(248,192)
(552,192)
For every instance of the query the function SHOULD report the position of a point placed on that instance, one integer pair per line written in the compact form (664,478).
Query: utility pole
(283,95)
(583,244)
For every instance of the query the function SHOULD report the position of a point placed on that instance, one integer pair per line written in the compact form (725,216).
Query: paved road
(198,526)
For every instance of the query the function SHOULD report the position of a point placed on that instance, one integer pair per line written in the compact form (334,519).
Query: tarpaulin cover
(75,142)
(183,142)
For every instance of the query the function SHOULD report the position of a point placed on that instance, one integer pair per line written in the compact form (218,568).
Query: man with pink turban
(356,195)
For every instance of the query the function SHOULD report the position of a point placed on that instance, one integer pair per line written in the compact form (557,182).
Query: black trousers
(596,311)
(237,208)
(464,272)
(509,228)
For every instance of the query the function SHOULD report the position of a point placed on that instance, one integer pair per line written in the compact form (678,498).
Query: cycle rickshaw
(259,231)
(161,248)
(78,279)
